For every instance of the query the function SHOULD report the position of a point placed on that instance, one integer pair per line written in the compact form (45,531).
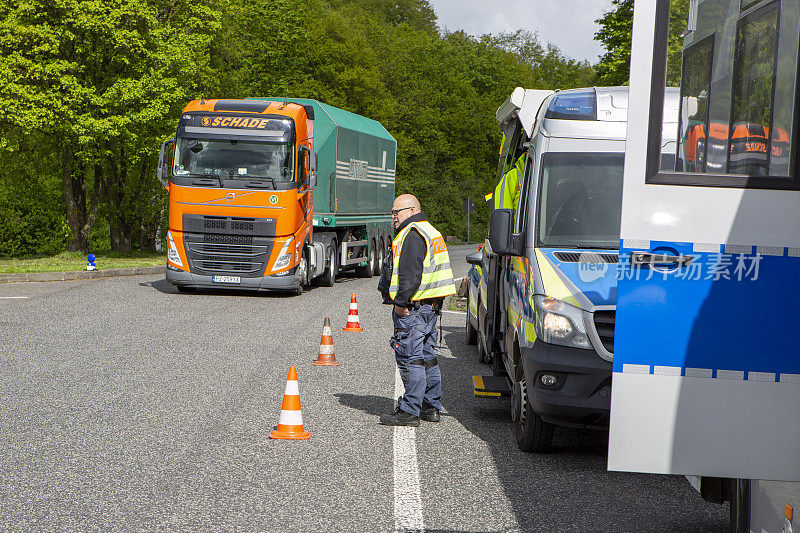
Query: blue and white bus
(706,373)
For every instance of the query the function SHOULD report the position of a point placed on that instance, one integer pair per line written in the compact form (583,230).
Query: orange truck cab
(243,213)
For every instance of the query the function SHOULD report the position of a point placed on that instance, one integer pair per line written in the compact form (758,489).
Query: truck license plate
(226,279)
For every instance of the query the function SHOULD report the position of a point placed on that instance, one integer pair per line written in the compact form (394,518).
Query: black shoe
(399,418)
(430,414)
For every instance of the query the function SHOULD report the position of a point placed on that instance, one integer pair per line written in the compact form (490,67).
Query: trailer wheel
(380,255)
(365,271)
(329,276)
(531,432)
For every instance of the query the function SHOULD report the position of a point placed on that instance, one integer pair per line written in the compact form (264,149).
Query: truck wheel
(365,271)
(380,257)
(531,432)
(471,332)
(302,273)
(329,276)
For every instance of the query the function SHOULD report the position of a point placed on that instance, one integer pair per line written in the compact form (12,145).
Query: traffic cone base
(290,423)
(326,356)
(353,323)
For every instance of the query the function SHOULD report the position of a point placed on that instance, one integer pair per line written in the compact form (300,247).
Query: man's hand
(401,311)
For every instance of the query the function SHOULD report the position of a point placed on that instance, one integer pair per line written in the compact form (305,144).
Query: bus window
(753,88)
(695,90)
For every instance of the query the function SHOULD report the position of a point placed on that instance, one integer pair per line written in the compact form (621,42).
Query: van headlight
(560,323)
(285,256)
(172,251)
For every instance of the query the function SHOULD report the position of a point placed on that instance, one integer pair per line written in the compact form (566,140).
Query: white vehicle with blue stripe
(707,366)
(544,306)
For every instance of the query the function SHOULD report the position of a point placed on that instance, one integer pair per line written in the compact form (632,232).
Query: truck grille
(230,256)
(604,324)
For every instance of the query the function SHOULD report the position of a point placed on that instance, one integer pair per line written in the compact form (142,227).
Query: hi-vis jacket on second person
(437,276)
(506,194)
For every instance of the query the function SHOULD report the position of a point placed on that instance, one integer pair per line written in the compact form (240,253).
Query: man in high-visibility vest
(420,280)
(506,194)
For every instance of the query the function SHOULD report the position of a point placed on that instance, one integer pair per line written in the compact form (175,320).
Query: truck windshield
(581,200)
(231,159)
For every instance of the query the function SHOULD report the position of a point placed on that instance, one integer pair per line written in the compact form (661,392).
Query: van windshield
(581,200)
(231,159)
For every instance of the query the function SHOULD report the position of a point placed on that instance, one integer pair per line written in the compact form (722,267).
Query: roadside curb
(81,274)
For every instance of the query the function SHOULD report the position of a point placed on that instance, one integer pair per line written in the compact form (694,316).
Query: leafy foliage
(89,90)
(616,27)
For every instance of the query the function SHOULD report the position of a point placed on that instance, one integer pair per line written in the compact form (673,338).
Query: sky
(569,24)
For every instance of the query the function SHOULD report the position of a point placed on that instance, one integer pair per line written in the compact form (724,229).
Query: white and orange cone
(290,423)
(352,317)
(326,356)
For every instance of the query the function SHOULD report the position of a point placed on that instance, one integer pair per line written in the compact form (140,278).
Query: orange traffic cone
(352,317)
(326,355)
(290,423)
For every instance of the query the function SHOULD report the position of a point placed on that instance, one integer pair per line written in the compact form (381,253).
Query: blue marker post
(90,262)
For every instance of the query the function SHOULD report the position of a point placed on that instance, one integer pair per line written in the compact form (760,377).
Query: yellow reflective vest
(437,277)
(506,194)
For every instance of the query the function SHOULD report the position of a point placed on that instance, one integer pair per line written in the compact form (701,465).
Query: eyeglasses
(396,211)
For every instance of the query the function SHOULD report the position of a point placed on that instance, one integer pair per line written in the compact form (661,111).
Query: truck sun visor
(236,124)
(573,105)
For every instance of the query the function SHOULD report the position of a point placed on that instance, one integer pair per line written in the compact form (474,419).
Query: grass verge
(67,261)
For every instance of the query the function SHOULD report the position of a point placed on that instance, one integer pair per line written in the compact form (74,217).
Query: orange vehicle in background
(246,209)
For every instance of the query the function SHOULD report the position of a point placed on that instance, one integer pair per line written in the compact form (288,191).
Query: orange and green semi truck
(275,194)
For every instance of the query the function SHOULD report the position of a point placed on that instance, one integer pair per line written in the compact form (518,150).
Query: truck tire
(380,255)
(531,433)
(471,332)
(302,271)
(365,271)
(329,276)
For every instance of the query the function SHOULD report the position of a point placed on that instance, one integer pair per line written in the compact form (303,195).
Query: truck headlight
(172,251)
(560,323)
(285,256)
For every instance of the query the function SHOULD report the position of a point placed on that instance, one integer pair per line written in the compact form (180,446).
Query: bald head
(404,206)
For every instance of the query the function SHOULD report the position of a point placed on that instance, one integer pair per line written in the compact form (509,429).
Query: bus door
(706,376)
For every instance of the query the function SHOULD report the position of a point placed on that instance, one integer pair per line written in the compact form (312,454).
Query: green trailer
(354,191)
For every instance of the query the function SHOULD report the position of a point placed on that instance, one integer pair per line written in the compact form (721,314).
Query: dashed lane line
(13,297)
(407,494)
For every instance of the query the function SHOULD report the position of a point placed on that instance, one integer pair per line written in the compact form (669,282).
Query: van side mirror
(501,237)
(165,162)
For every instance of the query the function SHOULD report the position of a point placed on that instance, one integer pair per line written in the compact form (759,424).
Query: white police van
(706,374)
(544,304)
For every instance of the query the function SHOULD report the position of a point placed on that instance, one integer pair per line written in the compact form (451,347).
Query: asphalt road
(127,406)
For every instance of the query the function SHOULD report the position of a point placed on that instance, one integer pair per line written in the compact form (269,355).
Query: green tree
(616,27)
(98,80)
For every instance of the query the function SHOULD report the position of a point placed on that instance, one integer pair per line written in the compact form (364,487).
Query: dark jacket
(410,268)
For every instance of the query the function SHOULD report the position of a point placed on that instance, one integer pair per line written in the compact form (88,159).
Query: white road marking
(407,494)
(13,297)
(454,312)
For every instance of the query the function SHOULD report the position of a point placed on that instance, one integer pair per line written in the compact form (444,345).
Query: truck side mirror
(165,163)
(312,161)
(501,237)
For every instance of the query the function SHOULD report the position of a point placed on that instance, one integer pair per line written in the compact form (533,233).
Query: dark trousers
(414,343)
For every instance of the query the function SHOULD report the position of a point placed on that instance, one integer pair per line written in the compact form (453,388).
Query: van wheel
(531,432)
(329,276)
(366,270)
(471,332)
